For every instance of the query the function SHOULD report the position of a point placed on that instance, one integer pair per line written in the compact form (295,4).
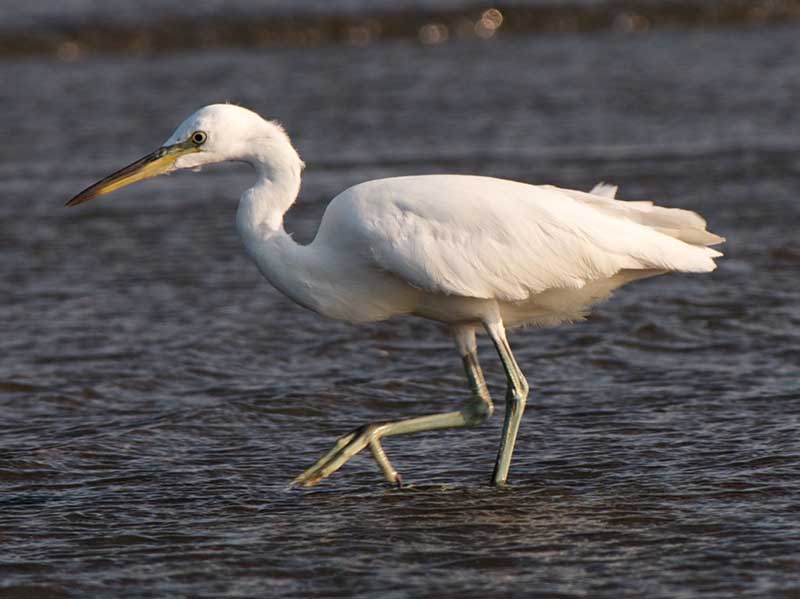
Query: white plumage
(465,250)
(484,238)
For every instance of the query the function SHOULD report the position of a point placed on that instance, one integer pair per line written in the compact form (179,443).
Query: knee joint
(516,399)
(477,412)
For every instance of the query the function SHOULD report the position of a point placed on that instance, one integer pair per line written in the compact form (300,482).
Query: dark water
(156,396)
(72,29)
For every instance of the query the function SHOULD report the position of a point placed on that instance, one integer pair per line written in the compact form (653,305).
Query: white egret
(472,252)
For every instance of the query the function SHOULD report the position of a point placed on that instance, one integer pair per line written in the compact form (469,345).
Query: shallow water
(157,395)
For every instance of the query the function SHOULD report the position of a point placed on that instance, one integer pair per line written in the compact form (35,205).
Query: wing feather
(491,238)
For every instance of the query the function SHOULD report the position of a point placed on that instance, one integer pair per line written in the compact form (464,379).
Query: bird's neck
(287,265)
(263,206)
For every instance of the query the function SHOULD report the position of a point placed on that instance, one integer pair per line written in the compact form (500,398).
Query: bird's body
(467,251)
(459,248)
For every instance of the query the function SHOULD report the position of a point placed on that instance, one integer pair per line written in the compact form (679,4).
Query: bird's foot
(345,448)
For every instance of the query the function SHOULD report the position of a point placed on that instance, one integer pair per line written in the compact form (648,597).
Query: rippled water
(157,396)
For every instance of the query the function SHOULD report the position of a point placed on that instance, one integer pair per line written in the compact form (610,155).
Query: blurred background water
(156,395)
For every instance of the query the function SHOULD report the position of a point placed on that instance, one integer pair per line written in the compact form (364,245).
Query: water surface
(157,395)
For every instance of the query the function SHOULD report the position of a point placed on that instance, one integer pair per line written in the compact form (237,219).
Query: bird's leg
(516,397)
(474,412)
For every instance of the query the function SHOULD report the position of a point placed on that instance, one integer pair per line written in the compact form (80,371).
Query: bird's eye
(199,138)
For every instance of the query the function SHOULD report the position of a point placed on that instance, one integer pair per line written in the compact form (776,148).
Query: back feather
(607,190)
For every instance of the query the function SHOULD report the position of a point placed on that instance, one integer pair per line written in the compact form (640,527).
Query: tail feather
(685,225)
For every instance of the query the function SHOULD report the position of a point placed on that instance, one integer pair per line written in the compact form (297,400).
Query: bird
(475,253)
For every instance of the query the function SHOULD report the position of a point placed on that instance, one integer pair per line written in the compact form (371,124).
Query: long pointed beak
(157,163)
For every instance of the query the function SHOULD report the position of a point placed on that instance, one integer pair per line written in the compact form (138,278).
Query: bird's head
(215,133)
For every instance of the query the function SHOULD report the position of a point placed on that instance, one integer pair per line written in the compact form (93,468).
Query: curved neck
(288,266)
(276,188)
